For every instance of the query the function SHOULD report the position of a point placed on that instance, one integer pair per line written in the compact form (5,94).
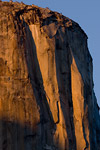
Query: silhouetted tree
(22,2)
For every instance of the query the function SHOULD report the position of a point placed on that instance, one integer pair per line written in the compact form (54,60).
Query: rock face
(47,101)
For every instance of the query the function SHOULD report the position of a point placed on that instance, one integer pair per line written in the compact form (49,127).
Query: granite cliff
(47,101)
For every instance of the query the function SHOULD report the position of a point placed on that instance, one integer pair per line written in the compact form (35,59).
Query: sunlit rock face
(47,100)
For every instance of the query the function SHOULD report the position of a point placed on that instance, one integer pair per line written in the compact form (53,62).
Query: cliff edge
(47,101)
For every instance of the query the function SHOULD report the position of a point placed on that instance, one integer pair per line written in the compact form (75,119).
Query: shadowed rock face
(47,100)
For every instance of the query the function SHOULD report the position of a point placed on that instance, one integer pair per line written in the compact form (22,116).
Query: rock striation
(47,101)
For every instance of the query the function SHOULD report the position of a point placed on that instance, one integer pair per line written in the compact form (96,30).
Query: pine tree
(11,1)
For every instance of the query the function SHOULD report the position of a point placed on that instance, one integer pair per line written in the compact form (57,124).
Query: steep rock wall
(47,100)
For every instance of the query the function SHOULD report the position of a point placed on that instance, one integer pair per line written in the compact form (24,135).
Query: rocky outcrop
(47,101)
